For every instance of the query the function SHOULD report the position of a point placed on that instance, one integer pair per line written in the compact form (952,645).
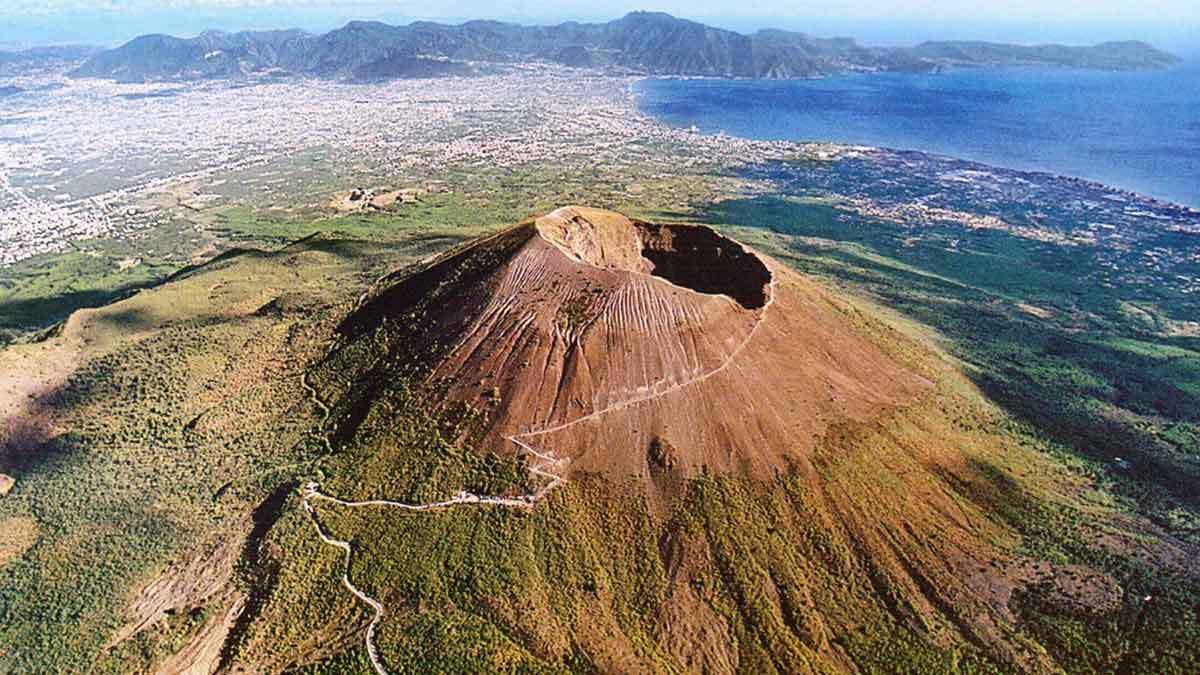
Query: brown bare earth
(190,583)
(17,534)
(608,339)
(27,371)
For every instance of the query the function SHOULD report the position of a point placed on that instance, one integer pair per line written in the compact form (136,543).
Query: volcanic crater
(626,346)
(692,256)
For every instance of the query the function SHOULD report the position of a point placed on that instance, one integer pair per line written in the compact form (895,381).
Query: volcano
(623,346)
(646,447)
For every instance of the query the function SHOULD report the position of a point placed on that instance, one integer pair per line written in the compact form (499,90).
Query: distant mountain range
(641,42)
(42,54)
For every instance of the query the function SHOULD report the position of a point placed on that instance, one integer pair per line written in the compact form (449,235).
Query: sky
(1168,23)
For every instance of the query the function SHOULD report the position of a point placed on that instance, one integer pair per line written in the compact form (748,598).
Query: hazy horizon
(70,21)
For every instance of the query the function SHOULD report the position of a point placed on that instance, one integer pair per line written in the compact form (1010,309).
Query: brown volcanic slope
(614,343)
(759,477)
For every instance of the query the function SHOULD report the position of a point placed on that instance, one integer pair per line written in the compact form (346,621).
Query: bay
(1138,131)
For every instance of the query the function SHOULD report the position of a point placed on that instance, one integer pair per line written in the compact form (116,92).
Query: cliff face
(646,42)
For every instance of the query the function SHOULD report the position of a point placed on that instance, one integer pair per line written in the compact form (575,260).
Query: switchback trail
(544,465)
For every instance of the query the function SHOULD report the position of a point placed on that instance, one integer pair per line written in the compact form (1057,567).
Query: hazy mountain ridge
(643,42)
(211,54)
(56,53)
(1124,55)
(37,58)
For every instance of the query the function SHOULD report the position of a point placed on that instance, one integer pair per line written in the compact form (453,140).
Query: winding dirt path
(545,465)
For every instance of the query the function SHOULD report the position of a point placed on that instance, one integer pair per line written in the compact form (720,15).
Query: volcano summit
(623,346)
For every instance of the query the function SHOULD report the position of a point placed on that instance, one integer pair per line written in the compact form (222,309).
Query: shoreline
(46,204)
(1183,206)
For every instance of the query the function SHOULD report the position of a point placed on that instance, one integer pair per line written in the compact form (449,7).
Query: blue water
(1139,131)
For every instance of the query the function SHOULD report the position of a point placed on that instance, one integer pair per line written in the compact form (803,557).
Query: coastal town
(171,151)
(60,181)
(1128,240)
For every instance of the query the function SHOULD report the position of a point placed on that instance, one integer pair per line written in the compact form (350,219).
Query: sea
(1137,131)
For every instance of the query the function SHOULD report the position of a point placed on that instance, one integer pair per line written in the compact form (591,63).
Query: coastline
(1083,182)
(44,205)
(738,123)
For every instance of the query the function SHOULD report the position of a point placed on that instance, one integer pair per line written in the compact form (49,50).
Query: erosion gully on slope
(545,465)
